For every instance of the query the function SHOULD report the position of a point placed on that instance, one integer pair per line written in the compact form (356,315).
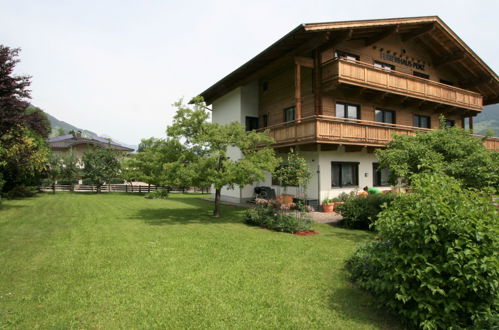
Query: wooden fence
(126,188)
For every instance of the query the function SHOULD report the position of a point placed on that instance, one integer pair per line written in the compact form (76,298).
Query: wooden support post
(297,93)
(317,83)
(471,124)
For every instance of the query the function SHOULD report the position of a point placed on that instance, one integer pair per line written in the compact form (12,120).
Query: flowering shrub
(280,217)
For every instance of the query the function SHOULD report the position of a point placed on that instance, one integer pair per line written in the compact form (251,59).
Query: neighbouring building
(78,144)
(337,91)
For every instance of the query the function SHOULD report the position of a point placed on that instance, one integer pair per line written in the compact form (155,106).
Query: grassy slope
(121,261)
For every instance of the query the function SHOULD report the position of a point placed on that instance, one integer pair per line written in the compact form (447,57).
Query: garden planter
(285,199)
(327,208)
(335,205)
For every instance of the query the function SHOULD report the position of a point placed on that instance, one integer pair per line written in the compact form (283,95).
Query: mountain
(57,124)
(487,120)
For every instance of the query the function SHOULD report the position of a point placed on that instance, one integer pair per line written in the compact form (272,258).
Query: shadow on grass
(354,304)
(4,207)
(197,212)
(357,236)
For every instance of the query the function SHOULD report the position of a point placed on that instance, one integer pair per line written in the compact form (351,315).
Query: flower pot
(335,205)
(285,199)
(327,208)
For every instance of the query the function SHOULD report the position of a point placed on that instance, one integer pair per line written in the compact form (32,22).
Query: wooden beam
(353,148)
(298,93)
(317,83)
(382,35)
(418,33)
(305,61)
(338,38)
(454,57)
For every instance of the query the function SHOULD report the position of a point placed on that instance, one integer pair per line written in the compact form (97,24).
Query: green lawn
(122,261)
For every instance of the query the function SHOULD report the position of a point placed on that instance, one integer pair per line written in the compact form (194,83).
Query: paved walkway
(320,217)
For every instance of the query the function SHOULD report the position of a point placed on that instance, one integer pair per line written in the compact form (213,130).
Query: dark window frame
(265,120)
(377,176)
(285,113)
(418,118)
(345,104)
(421,75)
(342,54)
(251,123)
(383,64)
(383,111)
(451,122)
(355,176)
(446,82)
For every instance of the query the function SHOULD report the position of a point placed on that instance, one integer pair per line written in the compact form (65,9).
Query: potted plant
(327,205)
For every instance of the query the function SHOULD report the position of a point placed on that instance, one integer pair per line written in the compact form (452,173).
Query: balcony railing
(367,76)
(335,130)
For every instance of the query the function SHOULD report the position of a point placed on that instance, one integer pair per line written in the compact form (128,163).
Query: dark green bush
(268,215)
(87,181)
(21,191)
(116,181)
(67,182)
(157,194)
(361,211)
(435,261)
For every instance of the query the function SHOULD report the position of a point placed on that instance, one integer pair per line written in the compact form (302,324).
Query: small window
(420,75)
(421,121)
(384,116)
(265,120)
(384,66)
(446,82)
(289,114)
(251,123)
(345,110)
(345,55)
(450,123)
(344,174)
(381,177)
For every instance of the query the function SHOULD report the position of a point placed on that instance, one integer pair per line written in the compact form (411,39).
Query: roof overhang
(430,32)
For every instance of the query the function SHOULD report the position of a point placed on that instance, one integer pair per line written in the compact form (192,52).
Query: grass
(121,261)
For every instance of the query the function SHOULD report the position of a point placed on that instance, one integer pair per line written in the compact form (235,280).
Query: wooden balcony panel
(367,76)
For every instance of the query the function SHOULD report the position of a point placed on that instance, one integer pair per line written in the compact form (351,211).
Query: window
(345,55)
(421,121)
(289,114)
(446,82)
(381,177)
(345,110)
(265,120)
(420,75)
(384,116)
(450,123)
(251,123)
(344,174)
(384,66)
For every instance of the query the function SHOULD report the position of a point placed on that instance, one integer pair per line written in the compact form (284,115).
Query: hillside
(487,120)
(57,124)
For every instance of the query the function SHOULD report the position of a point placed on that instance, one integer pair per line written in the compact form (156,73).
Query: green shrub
(67,182)
(360,212)
(87,181)
(116,181)
(435,261)
(21,191)
(269,215)
(157,194)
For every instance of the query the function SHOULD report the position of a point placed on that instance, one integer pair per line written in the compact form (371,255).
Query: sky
(116,67)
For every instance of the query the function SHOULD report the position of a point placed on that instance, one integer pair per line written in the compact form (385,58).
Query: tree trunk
(53,187)
(216,212)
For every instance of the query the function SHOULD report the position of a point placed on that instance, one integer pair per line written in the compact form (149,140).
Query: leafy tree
(450,150)
(70,169)
(23,129)
(294,171)
(60,131)
(53,170)
(100,165)
(206,159)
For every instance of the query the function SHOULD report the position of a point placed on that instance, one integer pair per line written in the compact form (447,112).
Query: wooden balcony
(334,130)
(367,76)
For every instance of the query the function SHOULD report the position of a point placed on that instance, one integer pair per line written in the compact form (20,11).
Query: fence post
(140,188)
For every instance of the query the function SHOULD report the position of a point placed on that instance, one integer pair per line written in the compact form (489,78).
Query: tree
(23,129)
(294,171)
(53,170)
(100,165)
(206,159)
(450,150)
(70,169)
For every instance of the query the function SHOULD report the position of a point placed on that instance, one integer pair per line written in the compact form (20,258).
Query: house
(78,144)
(335,92)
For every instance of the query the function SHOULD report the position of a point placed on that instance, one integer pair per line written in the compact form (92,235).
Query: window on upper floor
(384,66)
(450,123)
(251,123)
(420,75)
(345,55)
(344,174)
(443,81)
(289,114)
(265,120)
(346,110)
(381,177)
(384,116)
(421,121)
